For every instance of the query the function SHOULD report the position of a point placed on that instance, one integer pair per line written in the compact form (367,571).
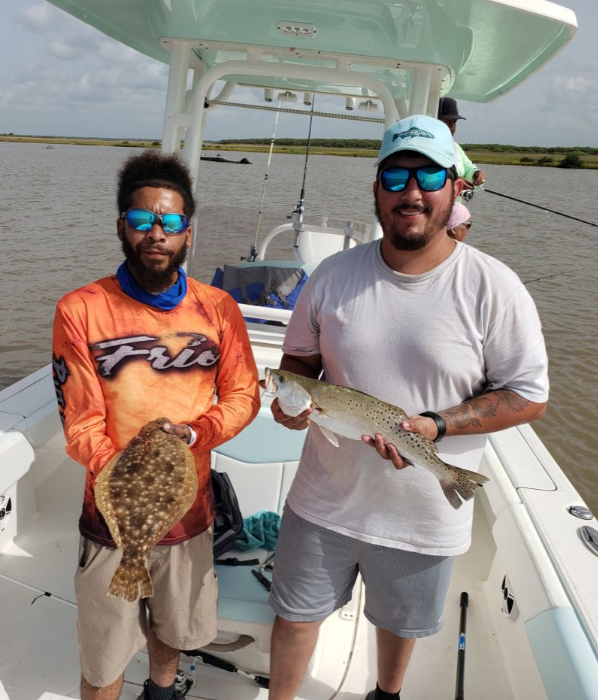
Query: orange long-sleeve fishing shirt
(119,363)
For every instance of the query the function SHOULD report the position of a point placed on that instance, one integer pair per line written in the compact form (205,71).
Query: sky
(61,77)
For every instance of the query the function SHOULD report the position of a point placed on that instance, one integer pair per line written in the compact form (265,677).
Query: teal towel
(259,530)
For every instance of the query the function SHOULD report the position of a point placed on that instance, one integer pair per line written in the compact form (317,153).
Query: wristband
(440,424)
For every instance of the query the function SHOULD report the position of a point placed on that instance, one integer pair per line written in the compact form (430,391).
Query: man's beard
(151,279)
(410,242)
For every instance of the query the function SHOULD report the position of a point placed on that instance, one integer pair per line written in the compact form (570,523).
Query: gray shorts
(315,570)
(183,611)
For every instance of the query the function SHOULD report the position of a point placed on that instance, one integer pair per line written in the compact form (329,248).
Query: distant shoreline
(479,155)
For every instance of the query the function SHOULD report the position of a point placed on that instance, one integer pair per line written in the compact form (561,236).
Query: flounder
(142,493)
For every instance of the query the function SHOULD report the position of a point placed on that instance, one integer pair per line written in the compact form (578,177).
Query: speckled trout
(338,410)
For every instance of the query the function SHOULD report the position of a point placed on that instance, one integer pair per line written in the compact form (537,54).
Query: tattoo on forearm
(473,411)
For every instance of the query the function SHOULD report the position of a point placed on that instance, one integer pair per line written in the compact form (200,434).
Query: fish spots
(140,497)
(138,521)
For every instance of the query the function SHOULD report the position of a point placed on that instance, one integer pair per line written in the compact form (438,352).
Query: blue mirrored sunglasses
(429,179)
(143,220)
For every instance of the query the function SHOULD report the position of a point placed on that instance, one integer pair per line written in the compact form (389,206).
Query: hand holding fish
(298,422)
(179,429)
(415,424)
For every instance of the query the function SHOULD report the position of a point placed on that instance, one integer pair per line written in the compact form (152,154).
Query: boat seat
(264,441)
(261,463)
(241,596)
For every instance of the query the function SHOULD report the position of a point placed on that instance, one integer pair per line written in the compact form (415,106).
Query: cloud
(38,18)
(111,51)
(575,85)
(72,71)
(62,50)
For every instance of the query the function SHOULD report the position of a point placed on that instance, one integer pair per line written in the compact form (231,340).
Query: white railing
(349,234)
(267,313)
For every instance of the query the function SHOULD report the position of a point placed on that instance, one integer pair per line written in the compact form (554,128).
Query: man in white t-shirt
(452,336)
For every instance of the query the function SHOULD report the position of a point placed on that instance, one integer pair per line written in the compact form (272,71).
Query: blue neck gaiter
(165,301)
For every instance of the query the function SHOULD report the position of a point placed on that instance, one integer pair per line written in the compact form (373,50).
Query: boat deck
(40,659)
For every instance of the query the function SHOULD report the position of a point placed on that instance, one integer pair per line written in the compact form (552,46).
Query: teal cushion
(264,442)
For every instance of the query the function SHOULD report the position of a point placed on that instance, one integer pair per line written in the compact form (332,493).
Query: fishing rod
(557,274)
(299,207)
(311,119)
(253,250)
(217,662)
(460,684)
(537,206)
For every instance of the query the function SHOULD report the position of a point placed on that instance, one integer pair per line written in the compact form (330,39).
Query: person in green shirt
(448,113)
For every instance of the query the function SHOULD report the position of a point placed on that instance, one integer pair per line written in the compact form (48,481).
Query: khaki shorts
(182,613)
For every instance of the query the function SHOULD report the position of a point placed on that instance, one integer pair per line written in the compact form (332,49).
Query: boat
(530,575)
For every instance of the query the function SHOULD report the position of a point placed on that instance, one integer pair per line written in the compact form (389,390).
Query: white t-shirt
(422,342)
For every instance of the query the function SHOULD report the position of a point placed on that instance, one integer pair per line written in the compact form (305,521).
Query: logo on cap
(412,133)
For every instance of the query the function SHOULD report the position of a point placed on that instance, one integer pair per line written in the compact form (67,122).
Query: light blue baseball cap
(426,135)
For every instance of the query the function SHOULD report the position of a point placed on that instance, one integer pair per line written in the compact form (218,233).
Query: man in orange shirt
(129,348)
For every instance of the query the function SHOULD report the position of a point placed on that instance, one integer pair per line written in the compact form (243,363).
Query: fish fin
(464,485)
(476,477)
(329,435)
(129,578)
(430,444)
(186,495)
(101,492)
(402,415)
(450,491)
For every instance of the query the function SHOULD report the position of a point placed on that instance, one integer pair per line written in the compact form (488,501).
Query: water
(59,232)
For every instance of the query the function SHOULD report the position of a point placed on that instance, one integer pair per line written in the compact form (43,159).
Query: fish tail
(131,580)
(449,490)
(463,485)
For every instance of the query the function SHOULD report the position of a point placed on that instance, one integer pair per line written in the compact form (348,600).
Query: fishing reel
(252,257)
(185,681)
